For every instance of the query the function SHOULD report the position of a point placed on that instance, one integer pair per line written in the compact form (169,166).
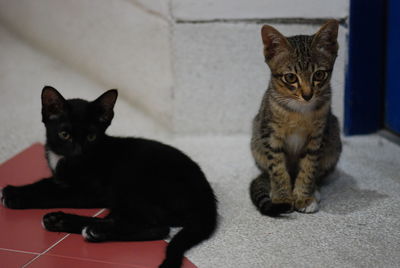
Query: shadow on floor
(341,195)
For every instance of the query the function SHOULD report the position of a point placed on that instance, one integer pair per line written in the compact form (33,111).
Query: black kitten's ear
(274,42)
(53,103)
(325,40)
(106,102)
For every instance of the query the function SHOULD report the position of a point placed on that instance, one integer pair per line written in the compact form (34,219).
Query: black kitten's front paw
(1,195)
(94,234)
(10,198)
(54,221)
(61,222)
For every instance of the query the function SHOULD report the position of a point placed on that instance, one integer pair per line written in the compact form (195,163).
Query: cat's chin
(302,106)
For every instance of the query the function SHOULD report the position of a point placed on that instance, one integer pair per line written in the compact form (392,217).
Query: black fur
(148,186)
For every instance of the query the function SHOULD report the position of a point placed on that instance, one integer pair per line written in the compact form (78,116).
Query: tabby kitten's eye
(290,78)
(319,75)
(91,137)
(64,135)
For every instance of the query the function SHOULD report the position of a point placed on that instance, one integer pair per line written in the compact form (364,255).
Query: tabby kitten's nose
(307,97)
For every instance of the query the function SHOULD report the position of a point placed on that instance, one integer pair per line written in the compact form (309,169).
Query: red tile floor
(24,243)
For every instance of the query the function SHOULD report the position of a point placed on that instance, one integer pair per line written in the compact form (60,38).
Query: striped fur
(296,138)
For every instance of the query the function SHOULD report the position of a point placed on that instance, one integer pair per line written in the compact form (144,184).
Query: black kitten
(147,186)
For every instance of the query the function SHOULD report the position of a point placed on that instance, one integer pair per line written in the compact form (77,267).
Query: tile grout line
(56,243)
(99,212)
(44,252)
(95,260)
(19,251)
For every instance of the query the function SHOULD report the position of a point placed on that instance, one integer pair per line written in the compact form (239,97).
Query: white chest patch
(53,159)
(295,142)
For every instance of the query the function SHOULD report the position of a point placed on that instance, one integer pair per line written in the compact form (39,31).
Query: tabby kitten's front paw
(307,204)
(277,209)
(10,197)
(280,206)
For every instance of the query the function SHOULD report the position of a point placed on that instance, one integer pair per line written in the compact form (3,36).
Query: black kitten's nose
(307,97)
(77,150)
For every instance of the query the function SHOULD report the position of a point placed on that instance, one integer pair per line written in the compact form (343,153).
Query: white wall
(258,9)
(122,44)
(195,66)
(221,75)
(219,66)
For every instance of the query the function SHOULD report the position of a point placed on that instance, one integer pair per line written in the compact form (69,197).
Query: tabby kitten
(147,186)
(296,138)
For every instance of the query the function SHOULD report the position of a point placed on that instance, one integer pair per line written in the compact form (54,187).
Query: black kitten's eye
(319,75)
(64,135)
(290,78)
(91,137)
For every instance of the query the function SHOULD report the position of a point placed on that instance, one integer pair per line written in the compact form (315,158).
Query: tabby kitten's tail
(259,192)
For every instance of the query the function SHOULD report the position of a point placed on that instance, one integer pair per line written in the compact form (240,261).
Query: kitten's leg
(331,149)
(109,229)
(270,157)
(305,182)
(305,185)
(47,193)
(69,223)
(321,157)
(101,229)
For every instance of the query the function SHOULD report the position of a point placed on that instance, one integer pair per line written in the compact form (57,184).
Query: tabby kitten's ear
(106,104)
(275,43)
(53,104)
(325,40)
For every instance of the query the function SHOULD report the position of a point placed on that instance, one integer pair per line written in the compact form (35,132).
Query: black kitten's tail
(199,228)
(259,194)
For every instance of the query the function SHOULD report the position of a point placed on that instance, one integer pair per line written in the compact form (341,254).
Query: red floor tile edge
(19,251)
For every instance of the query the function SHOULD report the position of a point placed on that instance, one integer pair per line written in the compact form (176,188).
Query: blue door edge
(365,70)
(392,107)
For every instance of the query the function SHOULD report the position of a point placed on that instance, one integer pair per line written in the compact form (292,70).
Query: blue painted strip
(365,71)
(392,107)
